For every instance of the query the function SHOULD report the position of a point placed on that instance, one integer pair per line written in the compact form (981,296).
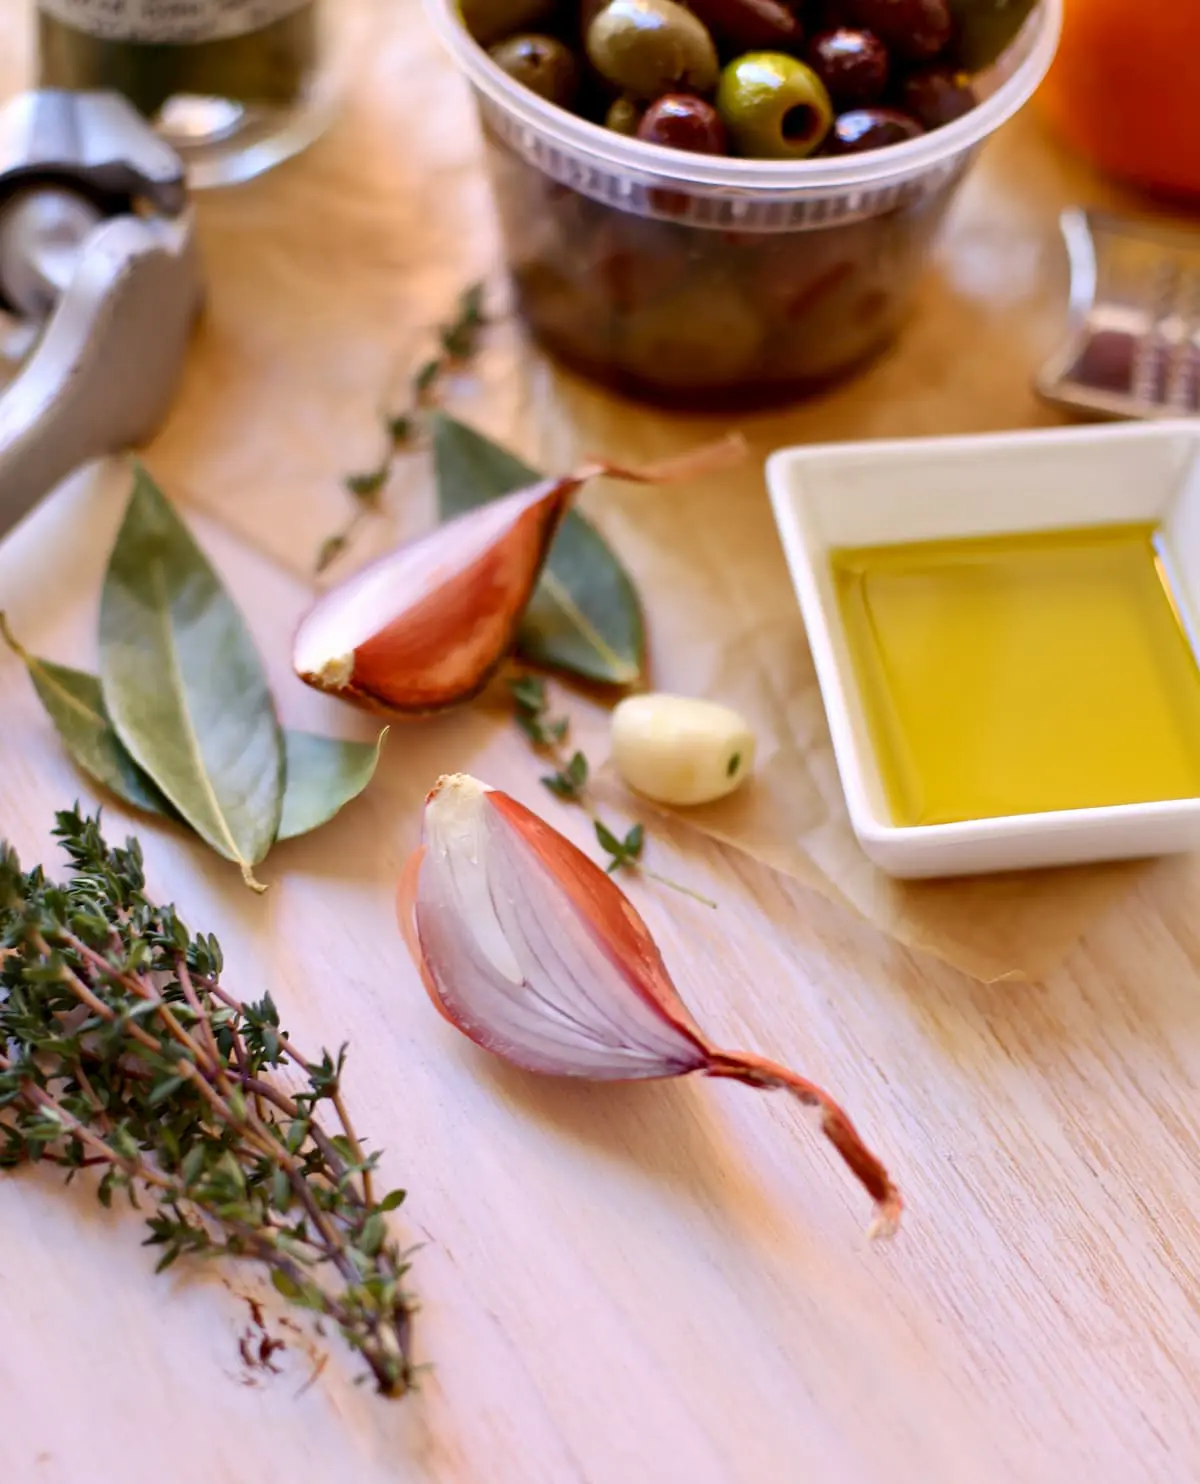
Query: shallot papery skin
(532,951)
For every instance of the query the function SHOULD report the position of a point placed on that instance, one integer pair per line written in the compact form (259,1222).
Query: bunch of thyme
(457,343)
(121,1052)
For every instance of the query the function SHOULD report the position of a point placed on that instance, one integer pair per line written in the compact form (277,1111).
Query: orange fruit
(1124,89)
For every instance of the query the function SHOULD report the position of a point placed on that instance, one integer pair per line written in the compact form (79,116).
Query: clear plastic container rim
(617,153)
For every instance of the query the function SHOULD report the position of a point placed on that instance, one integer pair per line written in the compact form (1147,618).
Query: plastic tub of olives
(699,279)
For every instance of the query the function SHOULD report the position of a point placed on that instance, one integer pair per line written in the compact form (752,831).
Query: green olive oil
(1022,674)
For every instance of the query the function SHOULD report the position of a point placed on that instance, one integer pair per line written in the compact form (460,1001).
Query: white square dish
(879,493)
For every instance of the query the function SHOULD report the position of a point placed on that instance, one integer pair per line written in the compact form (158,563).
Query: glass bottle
(235,86)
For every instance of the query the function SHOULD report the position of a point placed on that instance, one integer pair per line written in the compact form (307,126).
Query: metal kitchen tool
(99,266)
(1133,346)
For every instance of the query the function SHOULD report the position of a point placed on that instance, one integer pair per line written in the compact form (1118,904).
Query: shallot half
(427,626)
(532,951)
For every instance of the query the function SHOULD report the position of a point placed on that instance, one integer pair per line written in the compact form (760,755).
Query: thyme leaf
(569,782)
(458,342)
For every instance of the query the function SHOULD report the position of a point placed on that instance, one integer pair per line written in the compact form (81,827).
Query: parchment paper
(296,360)
(726,626)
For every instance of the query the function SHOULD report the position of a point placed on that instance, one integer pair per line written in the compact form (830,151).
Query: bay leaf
(323,775)
(184,685)
(584,617)
(75,704)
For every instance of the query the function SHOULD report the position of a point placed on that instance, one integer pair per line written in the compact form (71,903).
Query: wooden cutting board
(619,1285)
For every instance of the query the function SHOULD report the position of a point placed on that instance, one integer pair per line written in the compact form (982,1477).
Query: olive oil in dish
(1021,674)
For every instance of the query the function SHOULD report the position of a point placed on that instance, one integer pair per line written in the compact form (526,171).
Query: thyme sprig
(122,1052)
(458,341)
(569,782)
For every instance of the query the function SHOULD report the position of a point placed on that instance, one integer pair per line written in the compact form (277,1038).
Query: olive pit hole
(799,123)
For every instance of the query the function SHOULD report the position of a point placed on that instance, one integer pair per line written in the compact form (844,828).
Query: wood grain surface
(663,1283)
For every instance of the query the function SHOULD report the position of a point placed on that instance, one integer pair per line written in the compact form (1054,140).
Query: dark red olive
(853,65)
(936,96)
(750,25)
(862,129)
(916,30)
(680,121)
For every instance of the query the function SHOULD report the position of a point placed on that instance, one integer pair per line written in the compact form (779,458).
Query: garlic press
(100,286)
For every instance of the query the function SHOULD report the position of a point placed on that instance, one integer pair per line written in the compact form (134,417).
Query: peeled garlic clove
(531,950)
(681,751)
(426,626)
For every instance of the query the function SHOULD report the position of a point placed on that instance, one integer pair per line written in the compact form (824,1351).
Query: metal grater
(1133,344)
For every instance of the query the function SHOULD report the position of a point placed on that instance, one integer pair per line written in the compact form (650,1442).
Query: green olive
(624,117)
(704,335)
(651,47)
(540,63)
(490,21)
(984,28)
(775,107)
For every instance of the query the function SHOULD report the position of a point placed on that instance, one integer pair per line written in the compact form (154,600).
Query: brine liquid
(1020,674)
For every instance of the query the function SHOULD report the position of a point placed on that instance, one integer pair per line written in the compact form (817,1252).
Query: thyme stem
(548,735)
(457,342)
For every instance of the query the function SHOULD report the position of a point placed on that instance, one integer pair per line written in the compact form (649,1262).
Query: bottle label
(179,21)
